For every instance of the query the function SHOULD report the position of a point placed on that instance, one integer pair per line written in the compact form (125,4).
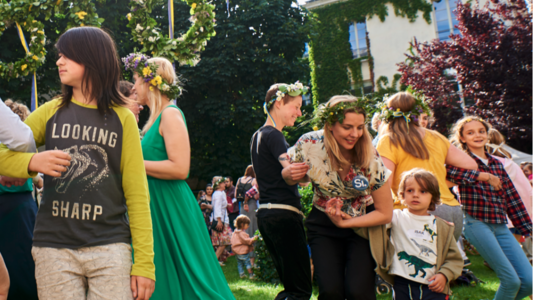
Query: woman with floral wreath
(348,173)
(186,267)
(279,217)
(405,145)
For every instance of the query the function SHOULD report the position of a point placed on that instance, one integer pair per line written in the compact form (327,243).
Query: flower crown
(331,114)
(295,89)
(138,63)
(215,185)
(420,107)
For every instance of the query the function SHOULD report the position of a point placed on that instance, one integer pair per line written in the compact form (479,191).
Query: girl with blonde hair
(486,211)
(348,174)
(186,267)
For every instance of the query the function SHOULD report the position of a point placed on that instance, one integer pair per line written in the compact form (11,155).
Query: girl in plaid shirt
(486,210)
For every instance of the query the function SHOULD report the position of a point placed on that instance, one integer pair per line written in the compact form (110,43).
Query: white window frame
(450,17)
(357,53)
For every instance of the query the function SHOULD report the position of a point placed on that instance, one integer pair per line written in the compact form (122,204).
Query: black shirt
(267,145)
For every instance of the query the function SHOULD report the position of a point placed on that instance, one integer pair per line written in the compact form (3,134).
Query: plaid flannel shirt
(482,202)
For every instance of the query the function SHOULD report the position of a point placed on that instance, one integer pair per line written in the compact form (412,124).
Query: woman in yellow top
(405,145)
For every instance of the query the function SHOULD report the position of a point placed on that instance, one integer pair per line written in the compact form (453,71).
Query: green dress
(186,266)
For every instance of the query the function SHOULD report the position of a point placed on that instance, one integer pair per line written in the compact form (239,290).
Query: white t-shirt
(415,242)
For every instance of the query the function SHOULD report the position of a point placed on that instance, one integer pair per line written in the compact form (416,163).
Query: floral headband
(420,107)
(215,185)
(331,114)
(138,63)
(293,90)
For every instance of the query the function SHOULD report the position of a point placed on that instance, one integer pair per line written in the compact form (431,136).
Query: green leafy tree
(258,43)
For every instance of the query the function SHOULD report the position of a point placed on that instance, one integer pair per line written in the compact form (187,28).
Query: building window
(358,39)
(445,18)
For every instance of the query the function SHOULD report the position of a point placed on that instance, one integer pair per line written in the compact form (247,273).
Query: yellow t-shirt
(437,146)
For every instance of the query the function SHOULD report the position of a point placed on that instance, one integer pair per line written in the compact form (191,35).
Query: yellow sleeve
(15,164)
(135,186)
(387,150)
(445,142)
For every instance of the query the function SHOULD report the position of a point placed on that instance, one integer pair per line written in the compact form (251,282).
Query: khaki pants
(92,273)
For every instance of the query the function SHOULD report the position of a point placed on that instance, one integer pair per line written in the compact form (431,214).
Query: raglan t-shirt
(103,196)
(415,242)
(267,145)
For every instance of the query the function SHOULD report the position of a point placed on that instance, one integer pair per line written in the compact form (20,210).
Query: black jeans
(344,267)
(232,218)
(405,289)
(284,236)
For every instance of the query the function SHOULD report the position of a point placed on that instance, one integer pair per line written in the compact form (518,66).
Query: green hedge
(329,49)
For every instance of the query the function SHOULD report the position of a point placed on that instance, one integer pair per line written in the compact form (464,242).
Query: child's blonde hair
(458,127)
(241,221)
(498,140)
(363,151)
(426,180)
(166,71)
(18,108)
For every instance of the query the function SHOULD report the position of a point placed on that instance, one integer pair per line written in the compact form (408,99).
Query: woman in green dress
(186,266)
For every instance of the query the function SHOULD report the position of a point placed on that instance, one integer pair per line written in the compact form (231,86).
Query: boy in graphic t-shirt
(426,256)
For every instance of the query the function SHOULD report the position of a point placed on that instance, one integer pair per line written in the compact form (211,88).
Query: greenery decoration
(138,63)
(336,113)
(421,106)
(26,13)
(185,49)
(329,49)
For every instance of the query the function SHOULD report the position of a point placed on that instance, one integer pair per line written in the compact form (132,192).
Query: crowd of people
(115,213)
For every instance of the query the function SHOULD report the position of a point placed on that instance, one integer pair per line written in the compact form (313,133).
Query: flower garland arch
(185,49)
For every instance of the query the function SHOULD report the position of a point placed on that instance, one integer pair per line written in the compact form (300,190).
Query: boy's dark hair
(125,87)
(96,51)
(426,180)
(229,178)
(241,221)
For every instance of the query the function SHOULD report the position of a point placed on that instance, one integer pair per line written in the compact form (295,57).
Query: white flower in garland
(139,27)
(151,39)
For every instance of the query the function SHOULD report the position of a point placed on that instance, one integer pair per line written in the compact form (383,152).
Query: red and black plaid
(481,201)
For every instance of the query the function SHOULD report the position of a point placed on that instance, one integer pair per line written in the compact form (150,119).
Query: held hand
(246,208)
(297,171)
(51,162)
(334,206)
(219,225)
(9,181)
(495,182)
(337,220)
(142,287)
(438,282)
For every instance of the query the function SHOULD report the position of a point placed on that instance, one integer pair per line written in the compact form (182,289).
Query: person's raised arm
(176,138)
(4,279)
(460,159)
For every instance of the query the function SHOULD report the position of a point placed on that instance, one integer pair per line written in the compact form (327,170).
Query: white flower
(148,28)
(173,43)
(151,39)
(35,29)
(165,87)
(155,31)
(139,27)
(201,29)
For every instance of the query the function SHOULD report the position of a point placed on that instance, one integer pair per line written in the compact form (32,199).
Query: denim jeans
(500,249)
(243,261)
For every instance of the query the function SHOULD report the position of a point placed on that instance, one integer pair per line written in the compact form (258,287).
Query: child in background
(128,90)
(426,257)
(527,168)
(486,210)
(241,244)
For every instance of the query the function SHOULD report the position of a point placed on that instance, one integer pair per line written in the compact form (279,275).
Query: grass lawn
(257,290)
